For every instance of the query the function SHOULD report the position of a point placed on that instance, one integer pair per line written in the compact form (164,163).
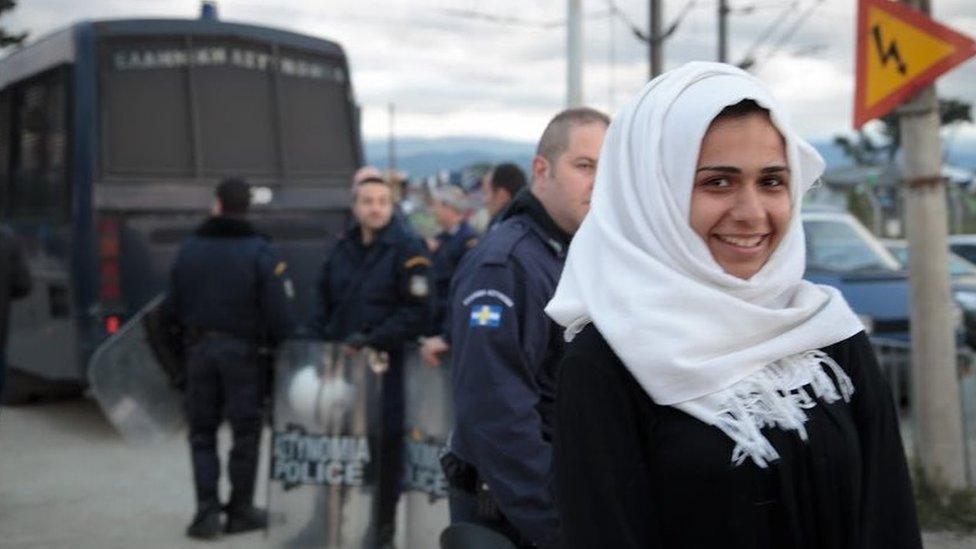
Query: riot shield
(134,390)
(327,419)
(429,418)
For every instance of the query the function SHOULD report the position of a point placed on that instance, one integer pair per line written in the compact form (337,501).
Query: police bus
(113,135)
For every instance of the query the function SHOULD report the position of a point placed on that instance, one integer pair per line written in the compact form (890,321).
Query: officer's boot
(242,515)
(245,518)
(206,523)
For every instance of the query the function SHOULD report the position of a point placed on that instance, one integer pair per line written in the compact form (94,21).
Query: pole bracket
(922,182)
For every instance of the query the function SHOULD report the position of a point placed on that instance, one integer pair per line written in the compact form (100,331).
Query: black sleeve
(323,304)
(603,488)
(20,278)
(171,302)
(496,397)
(412,316)
(888,517)
(277,293)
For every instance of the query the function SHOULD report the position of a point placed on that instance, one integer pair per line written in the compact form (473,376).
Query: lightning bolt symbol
(891,52)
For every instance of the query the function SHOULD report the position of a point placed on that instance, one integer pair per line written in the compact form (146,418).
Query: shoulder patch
(280,268)
(415,261)
(419,286)
(499,243)
(471,243)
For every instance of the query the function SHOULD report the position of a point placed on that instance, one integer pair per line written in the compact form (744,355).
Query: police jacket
(381,290)
(452,245)
(15,278)
(505,354)
(228,279)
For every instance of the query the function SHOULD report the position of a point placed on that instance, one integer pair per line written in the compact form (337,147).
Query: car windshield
(957,265)
(838,246)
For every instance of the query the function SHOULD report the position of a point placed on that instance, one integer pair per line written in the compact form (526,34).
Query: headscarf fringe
(777,396)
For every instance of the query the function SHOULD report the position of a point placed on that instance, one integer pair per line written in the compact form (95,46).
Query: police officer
(506,349)
(229,293)
(499,187)
(374,291)
(449,205)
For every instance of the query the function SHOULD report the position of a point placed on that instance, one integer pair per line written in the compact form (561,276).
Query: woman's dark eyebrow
(774,169)
(724,169)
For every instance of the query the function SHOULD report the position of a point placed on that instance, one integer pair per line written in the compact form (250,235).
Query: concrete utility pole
(935,397)
(391,143)
(655,42)
(723,31)
(574,54)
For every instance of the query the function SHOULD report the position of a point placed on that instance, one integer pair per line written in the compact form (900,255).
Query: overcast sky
(451,74)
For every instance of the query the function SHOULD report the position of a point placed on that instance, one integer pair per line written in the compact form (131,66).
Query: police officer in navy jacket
(506,350)
(374,291)
(229,293)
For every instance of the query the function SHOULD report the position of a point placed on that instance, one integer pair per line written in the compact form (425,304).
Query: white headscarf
(734,353)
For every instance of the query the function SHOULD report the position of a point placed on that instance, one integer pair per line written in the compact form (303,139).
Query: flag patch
(487,316)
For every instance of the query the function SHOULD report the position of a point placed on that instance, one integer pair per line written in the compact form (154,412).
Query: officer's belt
(196,335)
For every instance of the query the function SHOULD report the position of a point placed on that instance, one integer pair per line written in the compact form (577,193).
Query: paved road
(68,480)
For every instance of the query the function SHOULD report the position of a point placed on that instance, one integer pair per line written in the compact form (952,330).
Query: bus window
(235,104)
(315,115)
(145,110)
(38,183)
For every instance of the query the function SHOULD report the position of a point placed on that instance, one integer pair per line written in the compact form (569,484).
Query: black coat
(382,291)
(504,364)
(15,279)
(447,257)
(228,278)
(634,474)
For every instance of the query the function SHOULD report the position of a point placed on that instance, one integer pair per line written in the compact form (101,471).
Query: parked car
(963,245)
(842,253)
(963,275)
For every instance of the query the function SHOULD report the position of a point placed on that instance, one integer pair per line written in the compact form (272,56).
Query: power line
(790,32)
(517,21)
(749,59)
(644,36)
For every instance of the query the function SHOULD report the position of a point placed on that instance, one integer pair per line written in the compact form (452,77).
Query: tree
(867,150)
(7,39)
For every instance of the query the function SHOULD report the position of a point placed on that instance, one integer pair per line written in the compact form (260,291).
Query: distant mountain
(421,156)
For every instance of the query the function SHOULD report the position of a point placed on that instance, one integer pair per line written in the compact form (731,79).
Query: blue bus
(113,135)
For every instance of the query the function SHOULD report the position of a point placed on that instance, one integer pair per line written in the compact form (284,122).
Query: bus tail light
(111,324)
(109,268)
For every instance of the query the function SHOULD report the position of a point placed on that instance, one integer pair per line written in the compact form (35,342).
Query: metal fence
(895,359)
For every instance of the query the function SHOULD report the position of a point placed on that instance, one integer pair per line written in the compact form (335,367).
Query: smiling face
(740,203)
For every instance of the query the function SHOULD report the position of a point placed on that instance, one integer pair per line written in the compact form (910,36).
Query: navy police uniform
(378,296)
(452,245)
(230,293)
(506,353)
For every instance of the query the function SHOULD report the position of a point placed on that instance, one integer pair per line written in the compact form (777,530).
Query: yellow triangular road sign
(900,51)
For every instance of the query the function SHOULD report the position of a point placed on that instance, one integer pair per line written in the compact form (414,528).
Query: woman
(709,396)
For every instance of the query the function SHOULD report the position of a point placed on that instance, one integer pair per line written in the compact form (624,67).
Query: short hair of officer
(565,164)
(372,204)
(500,184)
(449,206)
(233,197)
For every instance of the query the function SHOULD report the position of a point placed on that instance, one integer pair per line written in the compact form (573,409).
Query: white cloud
(450,75)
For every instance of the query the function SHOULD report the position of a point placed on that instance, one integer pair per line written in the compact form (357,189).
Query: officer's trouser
(466,507)
(224,377)
(391,447)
